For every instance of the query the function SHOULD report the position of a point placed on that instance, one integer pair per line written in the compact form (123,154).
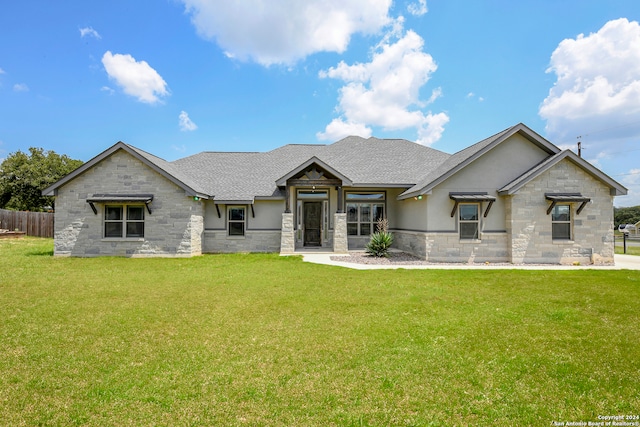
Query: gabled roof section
(382,162)
(314,160)
(157,164)
(463,158)
(617,189)
(242,176)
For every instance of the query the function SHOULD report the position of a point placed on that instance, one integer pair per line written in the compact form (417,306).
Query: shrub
(380,241)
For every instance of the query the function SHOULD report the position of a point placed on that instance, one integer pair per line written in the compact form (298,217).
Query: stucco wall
(529,226)
(492,171)
(517,229)
(427,229)
(410,215)
(174,228)
(262,230)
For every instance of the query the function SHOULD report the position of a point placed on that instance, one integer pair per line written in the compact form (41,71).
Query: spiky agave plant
(380,241)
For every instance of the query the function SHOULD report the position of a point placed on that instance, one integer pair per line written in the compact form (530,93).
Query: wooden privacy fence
(37,224)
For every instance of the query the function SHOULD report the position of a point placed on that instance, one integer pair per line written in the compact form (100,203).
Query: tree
(630,215)
(24,176)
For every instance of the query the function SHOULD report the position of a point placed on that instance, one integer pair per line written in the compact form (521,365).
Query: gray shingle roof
(371,161)
(175,173)
(229,177)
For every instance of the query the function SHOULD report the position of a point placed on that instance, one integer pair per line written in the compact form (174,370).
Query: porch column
(340,201)
(287,238)
(287,199)
(340,242)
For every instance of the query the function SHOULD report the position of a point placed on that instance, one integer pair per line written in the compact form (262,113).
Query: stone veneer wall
(447,247)
(529,226)
(288,236)
(217,241)
(412,242)
(174,228)
(340,240)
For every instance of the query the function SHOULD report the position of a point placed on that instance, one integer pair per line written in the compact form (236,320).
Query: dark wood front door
(312,223)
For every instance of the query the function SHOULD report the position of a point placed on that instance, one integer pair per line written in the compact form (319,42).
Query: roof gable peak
(155,163)
(310,170)
(514,186)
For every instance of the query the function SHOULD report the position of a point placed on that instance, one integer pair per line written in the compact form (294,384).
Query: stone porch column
(287,239)
(340,242)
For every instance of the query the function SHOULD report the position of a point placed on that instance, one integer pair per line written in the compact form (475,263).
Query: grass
(631,249)
(266,340)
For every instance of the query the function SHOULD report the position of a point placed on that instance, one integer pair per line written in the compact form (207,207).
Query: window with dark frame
(124,221)
(469,221)
(363,212)
(561,222)
(236,220)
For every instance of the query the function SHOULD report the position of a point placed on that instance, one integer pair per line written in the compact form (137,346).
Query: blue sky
(176,77)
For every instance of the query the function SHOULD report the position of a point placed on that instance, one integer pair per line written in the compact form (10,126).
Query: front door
(312,223)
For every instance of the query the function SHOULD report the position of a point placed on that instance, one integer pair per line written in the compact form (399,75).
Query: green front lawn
(267,340)
(631,250)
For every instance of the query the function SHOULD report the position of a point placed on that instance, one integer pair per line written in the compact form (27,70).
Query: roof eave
(233,201)
(520,128)
(615,187)
(53,189)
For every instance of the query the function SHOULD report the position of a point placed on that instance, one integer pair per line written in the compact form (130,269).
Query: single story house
(513,197)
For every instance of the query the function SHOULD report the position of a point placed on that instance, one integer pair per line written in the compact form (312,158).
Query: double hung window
(124,221)
(561,222)
(363,212)
(469,220)
(236,220)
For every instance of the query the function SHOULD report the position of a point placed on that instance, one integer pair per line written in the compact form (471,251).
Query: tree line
(23,176)
(629,215)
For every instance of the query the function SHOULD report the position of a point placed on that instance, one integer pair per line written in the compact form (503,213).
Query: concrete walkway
(622,262)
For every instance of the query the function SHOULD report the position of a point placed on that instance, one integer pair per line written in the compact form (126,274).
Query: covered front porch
(314,216)
(318,221)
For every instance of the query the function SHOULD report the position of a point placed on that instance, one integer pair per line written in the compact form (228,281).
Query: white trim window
(236,220)
(561,222)
(124,221)
(469,221)
(363,212)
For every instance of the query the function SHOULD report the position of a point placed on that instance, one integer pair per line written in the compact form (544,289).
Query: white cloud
(631,180)
(137,79)
(339,129)
(186,124)
(385,92)
(597,86)
(472,95)
(90,32)
(435,94)
(20,87)
(419,8)
(284,31)
(2,71)
(107,89)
